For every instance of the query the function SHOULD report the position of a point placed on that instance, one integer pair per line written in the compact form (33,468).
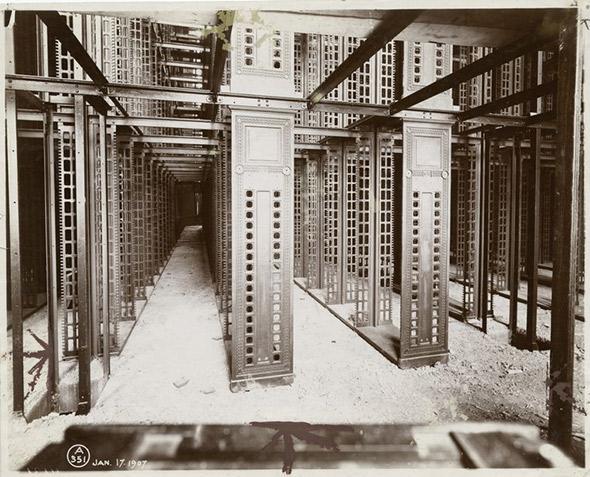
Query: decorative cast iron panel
(262,201)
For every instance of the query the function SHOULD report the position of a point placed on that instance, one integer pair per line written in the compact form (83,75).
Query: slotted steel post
(514,240)
(104,246)
(51,261)
(84,316)
(532,261)
(16,299)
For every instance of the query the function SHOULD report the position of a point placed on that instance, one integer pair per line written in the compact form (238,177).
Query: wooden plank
(389,27)
(565,235)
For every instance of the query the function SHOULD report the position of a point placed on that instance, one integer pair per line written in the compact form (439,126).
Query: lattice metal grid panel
(524,209)
(364,300)
(67,239)
(150,270)
(332,223)
(94,143)
(384,185)
(125,149)
(331,57)
(469,266)
(298,177)
(114,231)
(350,214)
(311,223)
(499,221)
(459,211)
(298,69)
(139,222)
(226,231)
(359,87)
(546,215)
(388,70)
(311,64)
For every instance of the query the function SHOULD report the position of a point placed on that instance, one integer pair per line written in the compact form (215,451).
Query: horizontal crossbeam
(506,101)
(389,27)
(546,33)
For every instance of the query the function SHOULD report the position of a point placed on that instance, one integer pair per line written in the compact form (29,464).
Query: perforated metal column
(125,149)
(311,220)
(374,234)
(298,217)
(114,231)
(365,231)
(424,294)
(262,241)
(350,223)
(139,223)
(499,220)
(67,240)
(331,207)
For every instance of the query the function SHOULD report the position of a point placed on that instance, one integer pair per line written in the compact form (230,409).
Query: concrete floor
(174,369)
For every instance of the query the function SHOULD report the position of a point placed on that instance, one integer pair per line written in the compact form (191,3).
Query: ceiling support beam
(546,33)
(516,98)
(57,26)
(389,27)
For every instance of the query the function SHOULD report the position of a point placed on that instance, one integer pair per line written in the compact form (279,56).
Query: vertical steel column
(51,261)
(425,238)
(341,232)
(126,238)
(383,264)
(298,217)
(483,229)
(104,246)
(84,316)
(565,233)
(93,272)
(532,261)
(365,231)
(16,298)
(114,237)
(514,240)
(332,215)
(149,219)
(349,193)
(138,213)
(311,221)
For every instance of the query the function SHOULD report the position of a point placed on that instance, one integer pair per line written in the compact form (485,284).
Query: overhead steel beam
(58,27)
(389,27)
(520,97)
(197,141)
(182,46)
(546,33)
(187,151)
(177,123)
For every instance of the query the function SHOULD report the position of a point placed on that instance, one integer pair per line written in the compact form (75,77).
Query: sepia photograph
(289,237)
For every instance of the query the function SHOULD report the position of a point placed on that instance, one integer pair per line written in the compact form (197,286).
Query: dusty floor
(174,369)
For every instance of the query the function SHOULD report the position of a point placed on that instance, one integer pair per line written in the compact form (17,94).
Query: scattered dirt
(339,378)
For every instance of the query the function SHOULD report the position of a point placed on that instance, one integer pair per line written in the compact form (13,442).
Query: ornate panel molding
(425,241)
